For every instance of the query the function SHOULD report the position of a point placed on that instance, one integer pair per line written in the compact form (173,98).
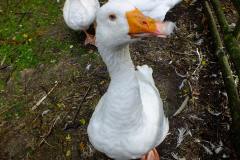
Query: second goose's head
(119,23)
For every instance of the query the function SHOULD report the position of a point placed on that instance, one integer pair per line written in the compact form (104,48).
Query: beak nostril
(145,23)
(112,17)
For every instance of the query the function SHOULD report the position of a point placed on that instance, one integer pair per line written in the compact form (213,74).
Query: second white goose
(79,15)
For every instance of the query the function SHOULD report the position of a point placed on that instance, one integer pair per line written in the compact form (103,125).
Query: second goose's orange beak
(142,26)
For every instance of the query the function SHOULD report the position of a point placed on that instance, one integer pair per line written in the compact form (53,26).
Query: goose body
(129,119)
(80,14)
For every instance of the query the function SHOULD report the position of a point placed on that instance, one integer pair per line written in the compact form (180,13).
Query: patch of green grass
(16,110)
(2,86)
(20,25)
(5,52)
(53,50)
(29,36)
(20,57)
(25,43)
(26,57)
(26,38)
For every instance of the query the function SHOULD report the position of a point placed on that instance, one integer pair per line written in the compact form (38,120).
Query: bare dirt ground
(184,66)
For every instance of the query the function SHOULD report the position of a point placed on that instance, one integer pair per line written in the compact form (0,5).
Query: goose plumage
(156,9)
(129,120)
(80,14)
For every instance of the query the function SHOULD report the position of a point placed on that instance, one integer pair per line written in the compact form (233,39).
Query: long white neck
(118,61)
(122,100)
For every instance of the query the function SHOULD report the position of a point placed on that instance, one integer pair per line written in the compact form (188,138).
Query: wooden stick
(44,97)
(49,131)
(220,15)
(230,41)
(233,97)
(73,124)
(80,105)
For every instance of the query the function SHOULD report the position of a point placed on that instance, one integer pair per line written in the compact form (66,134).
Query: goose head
(119,24)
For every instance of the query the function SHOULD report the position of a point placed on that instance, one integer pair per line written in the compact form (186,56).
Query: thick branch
(230,41)
(220,15)
(233,97)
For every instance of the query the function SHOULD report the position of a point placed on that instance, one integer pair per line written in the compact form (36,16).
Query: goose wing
(152,103)
(154,8)
(162,7)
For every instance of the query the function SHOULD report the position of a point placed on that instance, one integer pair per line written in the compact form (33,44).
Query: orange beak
(142,26)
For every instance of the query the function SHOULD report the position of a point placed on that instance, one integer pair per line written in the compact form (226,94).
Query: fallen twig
(180,75)
(73,125)
(3,60)
(49,131)
(80,105)
(6,109)
(44,140)
(199,62)
(190,87)
(44,97)
(187,74)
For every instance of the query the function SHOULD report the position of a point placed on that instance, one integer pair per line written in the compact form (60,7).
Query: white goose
(129,120)
(80,14)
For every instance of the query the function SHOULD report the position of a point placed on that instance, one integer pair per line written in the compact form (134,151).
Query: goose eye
(112,17)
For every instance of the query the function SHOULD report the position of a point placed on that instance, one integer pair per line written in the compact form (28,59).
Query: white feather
(182,133)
